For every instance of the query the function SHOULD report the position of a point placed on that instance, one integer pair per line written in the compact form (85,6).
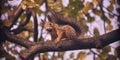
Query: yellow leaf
(56,6)
(96,2)
(29,4)
(87,7)
(23,6)
(29,25)
(109,27)
(97,58)
(110,8)
(111,16)
(81,56)
(24,34)
(80,15)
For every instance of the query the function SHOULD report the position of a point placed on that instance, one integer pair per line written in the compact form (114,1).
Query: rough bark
(65,45)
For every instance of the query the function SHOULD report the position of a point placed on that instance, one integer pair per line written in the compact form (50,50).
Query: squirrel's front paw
(56,41)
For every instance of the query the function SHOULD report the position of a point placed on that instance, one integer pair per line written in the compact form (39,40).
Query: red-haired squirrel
(60,27)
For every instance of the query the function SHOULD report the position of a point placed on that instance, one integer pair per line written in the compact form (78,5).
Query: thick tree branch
(18,40)
(76,44)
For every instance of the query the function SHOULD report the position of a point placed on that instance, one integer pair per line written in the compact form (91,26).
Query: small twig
(35,26)
(103,15)
(16,15)
(110,12)
(46,6)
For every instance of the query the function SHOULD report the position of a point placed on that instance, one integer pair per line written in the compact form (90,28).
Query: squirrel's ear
(49,18)
(42,21)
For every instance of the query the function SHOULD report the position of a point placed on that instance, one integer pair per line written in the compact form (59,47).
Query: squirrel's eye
(50,24)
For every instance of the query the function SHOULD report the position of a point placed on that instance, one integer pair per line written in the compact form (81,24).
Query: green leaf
(5,54)
(73,8)
(117,51)
(111,57)
(96,32)
(90,19)
(87,7)
(38,11)
(106,49)
(97,12)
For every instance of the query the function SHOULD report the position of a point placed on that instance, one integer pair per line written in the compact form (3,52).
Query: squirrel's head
(49,26)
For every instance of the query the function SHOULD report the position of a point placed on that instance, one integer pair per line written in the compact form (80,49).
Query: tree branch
(22,26)
(18,40)
(35,26)
(16,15)
(76,44)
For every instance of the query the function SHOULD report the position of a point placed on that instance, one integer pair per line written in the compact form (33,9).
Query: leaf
(84,24)
(29,4)
(23,18)
(38,11)
(110,8)
(24,34)
(81,56)
(97,58)
(29,25)
(106,20)
(96,2)
(111,16)
(55,58)
(111,57)
(106,49)
(104,54)
(117,51)
(109,27)
(61,54)
(80,16)
(98,12)
(96,32)
(90,19)
(5,54)
(87,7)
(56,6)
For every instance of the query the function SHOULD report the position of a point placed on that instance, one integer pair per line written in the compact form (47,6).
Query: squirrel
(61,28)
